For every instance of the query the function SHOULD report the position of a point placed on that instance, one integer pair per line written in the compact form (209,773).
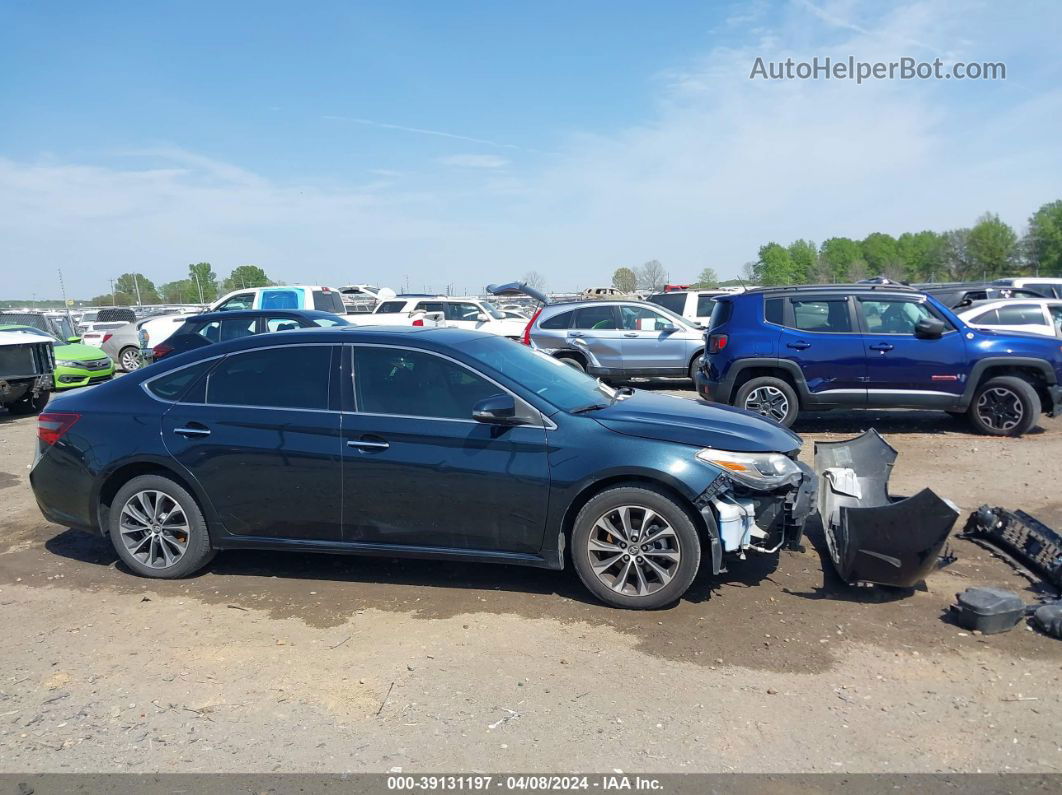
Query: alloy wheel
(633,550)
(768,401)
(130,361)
(154,529)
(1000,408)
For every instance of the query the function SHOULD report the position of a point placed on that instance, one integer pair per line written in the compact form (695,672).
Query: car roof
(874,289)
(568,305)
(993,303)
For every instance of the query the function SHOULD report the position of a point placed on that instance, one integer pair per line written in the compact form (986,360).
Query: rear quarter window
(390,306)
(175,386)
(328,302)
(774,311)
(721,314)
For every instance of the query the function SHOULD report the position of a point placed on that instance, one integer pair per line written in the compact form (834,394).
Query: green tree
(922,255)
(1044,240)
(957,262)
(992,247)
(246,276)
(879,252)
(805,261)
(137,286)
(838,256)
(775,266)
(113,299)
(625,280)
(182,291)
(708,279)
(202,275)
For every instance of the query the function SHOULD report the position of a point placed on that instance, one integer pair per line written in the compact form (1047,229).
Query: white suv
(470,313)
(694,305)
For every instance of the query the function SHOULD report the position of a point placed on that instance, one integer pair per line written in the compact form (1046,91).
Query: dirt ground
(314,663)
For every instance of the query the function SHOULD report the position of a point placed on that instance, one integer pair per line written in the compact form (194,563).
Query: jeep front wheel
(1004,406)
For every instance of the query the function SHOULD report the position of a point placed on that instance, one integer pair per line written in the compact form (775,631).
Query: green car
(75,364)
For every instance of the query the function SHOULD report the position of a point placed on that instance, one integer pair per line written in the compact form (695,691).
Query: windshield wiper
(591,407)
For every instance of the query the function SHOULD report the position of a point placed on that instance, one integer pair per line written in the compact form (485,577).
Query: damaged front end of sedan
(875,538)
(759,503)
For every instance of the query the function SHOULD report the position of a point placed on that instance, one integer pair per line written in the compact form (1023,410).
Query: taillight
(52,426)
(160,350)
(418,322)
(106,337)
(527,329)
(716,342)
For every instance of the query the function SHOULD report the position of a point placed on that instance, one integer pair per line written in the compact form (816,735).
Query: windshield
(551,379)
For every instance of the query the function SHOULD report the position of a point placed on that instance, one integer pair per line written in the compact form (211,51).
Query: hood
(676,419)
(76,352)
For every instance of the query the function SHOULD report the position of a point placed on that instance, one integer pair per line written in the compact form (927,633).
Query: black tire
(132,355)
(574,361)
(1004,406)
(769,397)
(695,365)
(197,552)
(658,591)
(30,404)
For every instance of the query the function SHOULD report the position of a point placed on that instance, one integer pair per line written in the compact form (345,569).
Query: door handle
(800,345)
(631,334)
(362,444)
(882,346)
(190,431)
(575,333)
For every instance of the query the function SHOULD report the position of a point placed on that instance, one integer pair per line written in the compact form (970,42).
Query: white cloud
(474,161)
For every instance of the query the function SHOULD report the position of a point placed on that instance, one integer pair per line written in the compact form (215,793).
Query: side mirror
(929,328)
(667,328)
(482,317)
(73,339)
(497,410)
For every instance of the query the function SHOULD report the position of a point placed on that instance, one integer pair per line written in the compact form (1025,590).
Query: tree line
(987,250)
(200,287)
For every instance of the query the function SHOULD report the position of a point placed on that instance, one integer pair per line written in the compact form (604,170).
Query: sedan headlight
(69,363)
(760,471)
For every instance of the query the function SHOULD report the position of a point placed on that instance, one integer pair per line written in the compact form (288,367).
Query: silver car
(619,339)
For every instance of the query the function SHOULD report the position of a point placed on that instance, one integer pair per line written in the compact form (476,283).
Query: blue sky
(465,143)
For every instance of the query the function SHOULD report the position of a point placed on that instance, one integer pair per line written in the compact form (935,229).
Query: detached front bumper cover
(872,537)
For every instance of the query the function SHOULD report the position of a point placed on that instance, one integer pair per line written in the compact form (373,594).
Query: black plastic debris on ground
(1028,540)
(874,537)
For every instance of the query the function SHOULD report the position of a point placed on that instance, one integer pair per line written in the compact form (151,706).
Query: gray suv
(621,339)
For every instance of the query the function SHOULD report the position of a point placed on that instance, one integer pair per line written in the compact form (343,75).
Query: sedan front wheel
(634,547)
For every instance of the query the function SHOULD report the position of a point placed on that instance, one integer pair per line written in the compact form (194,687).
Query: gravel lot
(271,662)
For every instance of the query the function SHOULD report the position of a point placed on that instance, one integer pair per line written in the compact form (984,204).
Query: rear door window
(281,299)
(594,317)
(431,306)
(282,324)
(459,310)
(828,316)
(290,376)
(390,306)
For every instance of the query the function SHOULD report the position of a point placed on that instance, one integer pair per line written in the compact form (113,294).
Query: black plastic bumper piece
(872,537)
(1027,539)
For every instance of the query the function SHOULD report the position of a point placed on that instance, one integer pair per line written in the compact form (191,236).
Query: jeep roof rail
(848,288)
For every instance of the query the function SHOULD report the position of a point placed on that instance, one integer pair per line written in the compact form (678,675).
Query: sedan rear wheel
(157,528)
(129,359)
(635,547)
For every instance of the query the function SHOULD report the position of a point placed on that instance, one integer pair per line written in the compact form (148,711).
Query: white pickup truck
(442,310)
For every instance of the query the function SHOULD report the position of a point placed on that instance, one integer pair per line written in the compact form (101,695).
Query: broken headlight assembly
(757,471)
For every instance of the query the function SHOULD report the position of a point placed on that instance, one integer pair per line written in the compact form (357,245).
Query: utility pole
(66,303)
(200,286)
(114,298)
(136,284)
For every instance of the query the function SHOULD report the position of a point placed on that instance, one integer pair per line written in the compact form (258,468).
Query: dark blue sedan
(432,443)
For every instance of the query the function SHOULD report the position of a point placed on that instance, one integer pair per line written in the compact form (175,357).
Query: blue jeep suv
(776,351)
